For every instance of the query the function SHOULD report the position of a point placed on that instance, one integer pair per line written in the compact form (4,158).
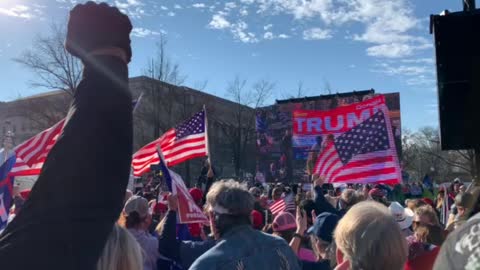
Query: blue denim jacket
(244,248)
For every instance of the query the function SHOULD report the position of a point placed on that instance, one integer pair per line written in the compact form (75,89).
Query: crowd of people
(79,216)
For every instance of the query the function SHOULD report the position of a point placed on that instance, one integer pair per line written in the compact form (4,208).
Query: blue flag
(6,188)
(165,171)
(182,229)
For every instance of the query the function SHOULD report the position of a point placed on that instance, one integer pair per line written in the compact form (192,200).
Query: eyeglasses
(417,223)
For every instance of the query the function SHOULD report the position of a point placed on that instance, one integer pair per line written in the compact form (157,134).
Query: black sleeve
(79,193)
(168,245)
(322,203)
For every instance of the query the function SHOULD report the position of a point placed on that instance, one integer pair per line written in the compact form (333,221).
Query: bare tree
(422,155)
(242,131)
(298,92)
(161,69)
(327,87)
(54,67)
(44,111)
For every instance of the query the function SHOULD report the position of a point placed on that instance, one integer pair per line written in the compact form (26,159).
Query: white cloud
(392,50)
(352,66)
(419,61)
(406,70)
(268,35)
(164,8)
(243,11)
(132,8)
(239,31)
(19,11)
(382,23)
(143,32)
(199,5)
(219,22)
(317,34)
(419,74)
(230,5)
(268,27)
(171,14)
(177,6)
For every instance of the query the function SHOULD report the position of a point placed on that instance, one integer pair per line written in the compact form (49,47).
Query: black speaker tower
(457,48)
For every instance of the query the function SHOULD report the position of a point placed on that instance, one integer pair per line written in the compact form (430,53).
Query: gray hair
(349,196)
(230,197)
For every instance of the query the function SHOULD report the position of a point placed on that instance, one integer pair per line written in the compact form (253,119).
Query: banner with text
(352,143)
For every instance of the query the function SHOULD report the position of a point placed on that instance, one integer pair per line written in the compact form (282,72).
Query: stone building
(230,125)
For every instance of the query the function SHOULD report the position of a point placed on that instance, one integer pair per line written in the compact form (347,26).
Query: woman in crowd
(425,215)
(424,246)
(321,240)
(121,252)
(137,221)
(368,237)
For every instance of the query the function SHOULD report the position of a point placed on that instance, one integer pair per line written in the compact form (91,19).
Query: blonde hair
(369,238)
(121,252)
(429,212)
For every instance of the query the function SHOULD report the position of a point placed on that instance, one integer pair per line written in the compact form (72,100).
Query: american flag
(364,154)
(183,142)
(286,204)
(278,207)
(32,153)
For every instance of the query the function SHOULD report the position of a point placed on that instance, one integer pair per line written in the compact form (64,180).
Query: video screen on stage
(291,131)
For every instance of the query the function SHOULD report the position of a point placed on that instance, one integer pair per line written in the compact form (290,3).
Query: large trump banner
(349,144)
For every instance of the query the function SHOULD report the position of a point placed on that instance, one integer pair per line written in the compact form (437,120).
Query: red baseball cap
(196,194)
(257,220)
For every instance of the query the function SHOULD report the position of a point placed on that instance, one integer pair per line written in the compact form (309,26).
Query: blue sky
(351,44)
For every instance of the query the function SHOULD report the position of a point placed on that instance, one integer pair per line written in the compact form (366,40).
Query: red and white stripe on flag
(176,149)
(32,153)
(375,159)
(278,207)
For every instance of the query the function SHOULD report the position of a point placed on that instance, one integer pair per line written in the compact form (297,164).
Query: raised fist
(94,26)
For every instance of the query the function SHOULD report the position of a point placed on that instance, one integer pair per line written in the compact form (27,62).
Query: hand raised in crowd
(98,29)
(172,201)
(314,216)
(301,221)
(318,180)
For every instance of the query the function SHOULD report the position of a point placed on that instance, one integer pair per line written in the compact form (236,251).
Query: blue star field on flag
(369,136)
(194,125)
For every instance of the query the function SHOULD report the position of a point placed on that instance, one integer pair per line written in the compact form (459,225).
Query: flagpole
(138,102)
(207,144)
(162,162)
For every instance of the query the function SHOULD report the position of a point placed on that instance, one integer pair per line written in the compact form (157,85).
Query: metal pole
(468,5)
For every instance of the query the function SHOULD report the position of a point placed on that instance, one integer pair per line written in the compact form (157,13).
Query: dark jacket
(79,194)
(321,265)
(245,248)
(322,204)
(183,252)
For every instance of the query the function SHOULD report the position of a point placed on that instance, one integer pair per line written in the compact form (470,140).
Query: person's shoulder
(461,247)
(271,239)
(209,259)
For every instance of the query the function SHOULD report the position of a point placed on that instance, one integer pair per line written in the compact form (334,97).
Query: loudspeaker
(457,49)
